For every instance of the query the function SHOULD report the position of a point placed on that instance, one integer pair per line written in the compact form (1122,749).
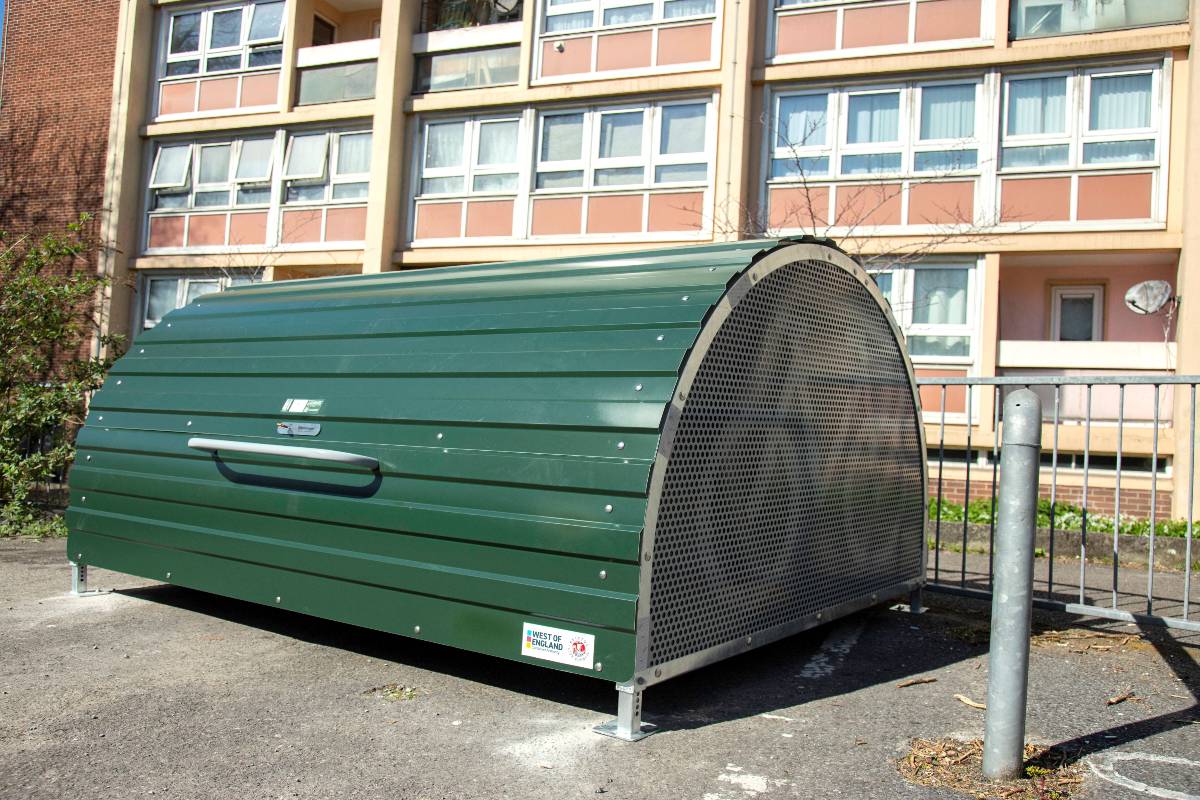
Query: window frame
(908,143)
(329,177)
(468,167)
(204,51)
(1078,119)
(1059,292)
(597,8)
(183,281)
(191,184)
(902,299)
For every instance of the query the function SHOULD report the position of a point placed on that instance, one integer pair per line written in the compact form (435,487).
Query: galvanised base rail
(1167,600)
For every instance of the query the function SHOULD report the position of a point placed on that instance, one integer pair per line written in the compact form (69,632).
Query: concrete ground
(153,690)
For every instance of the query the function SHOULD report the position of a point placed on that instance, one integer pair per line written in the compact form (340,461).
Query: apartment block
(1006,168)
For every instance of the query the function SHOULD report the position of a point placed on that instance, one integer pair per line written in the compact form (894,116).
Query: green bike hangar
(626,466)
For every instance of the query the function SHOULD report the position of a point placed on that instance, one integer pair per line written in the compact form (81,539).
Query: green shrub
(1067,517)
(46,298)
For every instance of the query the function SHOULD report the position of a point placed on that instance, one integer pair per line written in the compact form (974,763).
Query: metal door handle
(262,449)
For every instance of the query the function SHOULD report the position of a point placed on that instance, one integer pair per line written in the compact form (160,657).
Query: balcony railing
(1033,18)
(441,15)
(336,73)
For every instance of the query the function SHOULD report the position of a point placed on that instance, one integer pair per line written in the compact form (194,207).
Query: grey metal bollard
(1012,593)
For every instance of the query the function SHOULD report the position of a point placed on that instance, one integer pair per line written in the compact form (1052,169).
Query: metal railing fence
(1091,421)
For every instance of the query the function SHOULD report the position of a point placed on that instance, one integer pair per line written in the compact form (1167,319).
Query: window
(916,128)
(223,39)
(467,69)
(167,293)
(567,16)
(323,32)
(934,305)
(337,83)
(212,174)
(661,144)
(471,156)
(1077,313)
(327,167)
(1058,17)
(1116,122)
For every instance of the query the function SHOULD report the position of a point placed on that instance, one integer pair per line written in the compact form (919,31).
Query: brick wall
(54,106)
(1134,502)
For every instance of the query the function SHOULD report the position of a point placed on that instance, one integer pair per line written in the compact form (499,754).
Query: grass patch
(1049,773)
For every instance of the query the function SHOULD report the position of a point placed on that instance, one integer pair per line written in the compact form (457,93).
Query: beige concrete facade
(722,79)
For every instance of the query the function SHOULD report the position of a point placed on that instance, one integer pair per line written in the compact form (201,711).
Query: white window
(163,294)
(624,146)
(470,156)
(934,305)
(223,38)
(1077,313)
(327,167)
(925,129)
(567,16)
(212,175)
(1093,117)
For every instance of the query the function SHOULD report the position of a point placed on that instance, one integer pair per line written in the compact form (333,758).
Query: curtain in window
(939,297)
(688,8)
(444,145)
(173,163)
(948,112)
(1119,102)
(497,143)
(683,129)
(1037,105)
(214,164)
(621,135)
(627,15)
(562,137)
(307,156)
(1075,319)
(558,23)
(354,153)
(163,294)
(802,120)
(874,118)
(254,163)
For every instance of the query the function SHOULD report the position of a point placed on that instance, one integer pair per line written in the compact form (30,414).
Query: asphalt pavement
(151,690)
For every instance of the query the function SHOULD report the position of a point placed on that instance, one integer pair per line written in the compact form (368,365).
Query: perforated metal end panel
(794,480)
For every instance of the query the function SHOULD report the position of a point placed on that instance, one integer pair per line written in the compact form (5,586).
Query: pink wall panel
(346,224)
(799,208)
(941,203)
(874,26)
(439,220)
(490,218)
(614,213)
(623,50)
(677,211)
(806,33)
(218,94)
(1034,199)
(1025,297)
(166,231)
(177,98)
(576,57)
(686,44)
(557,216)
(939,20)
(931,396)
(301,226)
(261,89)
(206,230)
(1115,196)
(248,228)
(868,204)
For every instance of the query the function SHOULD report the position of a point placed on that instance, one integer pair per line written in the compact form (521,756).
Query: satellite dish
(1148,297)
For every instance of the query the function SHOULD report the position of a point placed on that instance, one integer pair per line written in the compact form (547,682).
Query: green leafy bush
(46,373)
(1067,517)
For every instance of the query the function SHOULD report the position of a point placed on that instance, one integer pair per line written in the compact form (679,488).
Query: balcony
(336,73)
(444,15)
(1038,18)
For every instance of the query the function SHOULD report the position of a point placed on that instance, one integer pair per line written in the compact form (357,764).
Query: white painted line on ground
(1105,766)
(833,651)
